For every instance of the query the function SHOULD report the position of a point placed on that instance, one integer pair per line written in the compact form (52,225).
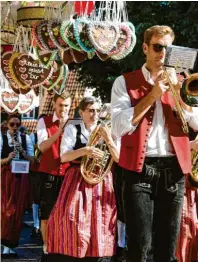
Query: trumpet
(188,93)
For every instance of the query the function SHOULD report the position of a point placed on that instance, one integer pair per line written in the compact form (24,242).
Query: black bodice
(6,149)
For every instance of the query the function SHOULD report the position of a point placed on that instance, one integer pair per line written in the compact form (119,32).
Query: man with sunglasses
(52,171)
(155,152)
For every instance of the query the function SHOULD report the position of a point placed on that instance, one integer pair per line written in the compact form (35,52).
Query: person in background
(52,171)
(35,183)
(82,225)
(14,187)
(187,246)
(155,151)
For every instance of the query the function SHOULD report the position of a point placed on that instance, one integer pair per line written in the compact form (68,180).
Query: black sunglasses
(94,110)
(14,124)
(158,48)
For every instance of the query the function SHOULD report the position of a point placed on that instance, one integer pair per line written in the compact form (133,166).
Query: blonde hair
(157,30)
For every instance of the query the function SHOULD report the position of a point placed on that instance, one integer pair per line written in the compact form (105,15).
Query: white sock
(45,249)
(121,234)
(12,251)
(6,250)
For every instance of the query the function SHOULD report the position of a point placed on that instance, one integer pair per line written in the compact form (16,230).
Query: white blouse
(69,137)
(122,113)
(29,149)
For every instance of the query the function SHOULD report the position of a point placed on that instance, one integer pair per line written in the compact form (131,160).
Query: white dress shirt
(69,137)
(42,133)
(29,149)
(122,114)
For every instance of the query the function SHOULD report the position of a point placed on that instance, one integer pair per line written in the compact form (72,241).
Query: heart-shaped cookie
(78,57)
(26,103)
(45,57)
(44,37)
(55,78)
(6,71)
(81,34)
(125,51)
(54,33)
(67,34)
(36,74)
(66,56)
(124,39)
(9,100)
(35,35)
(103,35)
(61,85)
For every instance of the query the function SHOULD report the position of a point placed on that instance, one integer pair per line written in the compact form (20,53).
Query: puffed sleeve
(30,146)
(121,109)
(69,139)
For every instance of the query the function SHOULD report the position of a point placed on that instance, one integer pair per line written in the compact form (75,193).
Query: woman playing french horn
(82,225)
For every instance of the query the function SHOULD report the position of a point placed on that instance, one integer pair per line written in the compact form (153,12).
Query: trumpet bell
(189,90)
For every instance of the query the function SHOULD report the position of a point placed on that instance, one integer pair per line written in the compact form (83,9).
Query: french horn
(94,170)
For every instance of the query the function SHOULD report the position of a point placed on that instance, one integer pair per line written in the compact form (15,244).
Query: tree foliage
(182,17)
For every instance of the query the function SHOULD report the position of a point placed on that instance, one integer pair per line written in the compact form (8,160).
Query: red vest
(50,162)
(133,147)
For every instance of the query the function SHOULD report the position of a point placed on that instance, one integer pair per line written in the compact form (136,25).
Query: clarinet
(16,148)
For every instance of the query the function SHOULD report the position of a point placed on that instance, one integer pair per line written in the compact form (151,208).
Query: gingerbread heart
(35,35)
(124,39)
(36,74)
(44,37)
(55,78)
(6,71)
(67,34)
(54,33)
(125,51)
(66,56)
(9,100)
(78,57)
(81,34)
(61,85)
(26,103)
(45,57)
(103,35)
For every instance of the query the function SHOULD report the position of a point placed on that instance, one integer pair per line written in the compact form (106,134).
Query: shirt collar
(9,136)
(147,75)
(85,130)
(55,117)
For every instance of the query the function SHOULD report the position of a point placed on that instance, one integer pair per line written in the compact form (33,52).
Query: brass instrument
(193,178)
(94,170)
(188,92)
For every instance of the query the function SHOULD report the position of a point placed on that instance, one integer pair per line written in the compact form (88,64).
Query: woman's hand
(11,156)
(94,152)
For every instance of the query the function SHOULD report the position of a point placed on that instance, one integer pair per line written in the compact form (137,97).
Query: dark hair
(157,30)
(13,116)
(64,95)
(86,101)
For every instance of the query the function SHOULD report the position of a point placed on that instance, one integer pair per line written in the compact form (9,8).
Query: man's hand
(194,144)
(161,86)
(62,123)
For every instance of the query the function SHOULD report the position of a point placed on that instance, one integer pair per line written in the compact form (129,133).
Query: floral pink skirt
(83,221)
(187,248)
